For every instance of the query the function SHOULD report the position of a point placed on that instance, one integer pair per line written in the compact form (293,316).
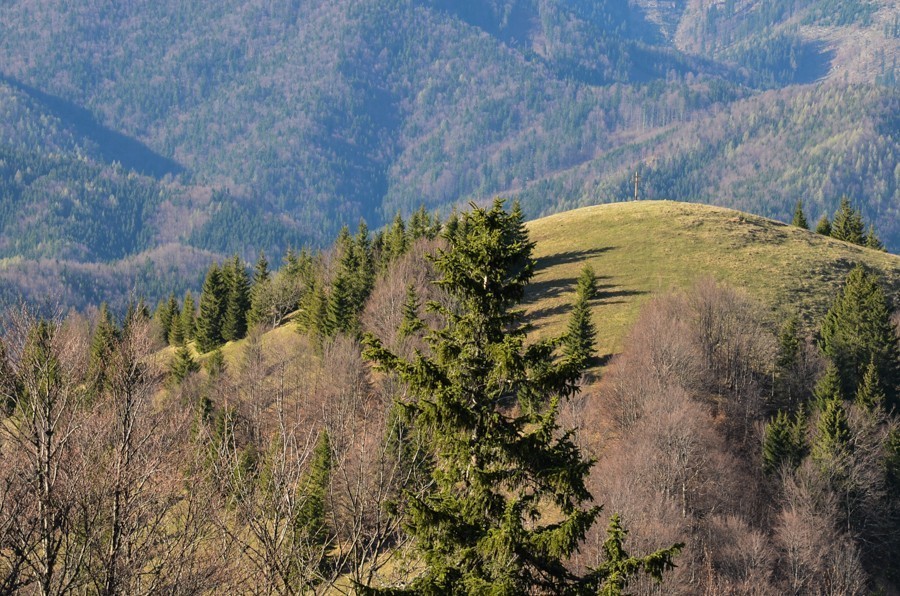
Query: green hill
(642,249)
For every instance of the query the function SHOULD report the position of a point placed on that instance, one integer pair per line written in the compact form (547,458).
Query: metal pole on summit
(637,181)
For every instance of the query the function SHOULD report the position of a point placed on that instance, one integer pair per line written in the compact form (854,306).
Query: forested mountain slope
(266,124)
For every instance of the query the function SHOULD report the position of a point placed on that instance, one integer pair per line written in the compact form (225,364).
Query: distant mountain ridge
(259,125)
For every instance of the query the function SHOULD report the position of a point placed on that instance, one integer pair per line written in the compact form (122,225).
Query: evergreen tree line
(233,301)
(846,423)
(847,225)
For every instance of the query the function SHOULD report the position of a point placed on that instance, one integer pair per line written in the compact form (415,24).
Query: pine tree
(341,314)
(212,310)
(870,395)
(578,342)
(481,530)
(780,445)
(828,388)
(857,330)
(799,217)
(259,293)
(234,322)
(311,520)
(872,240)
(824,226)
(102,346)
(618,568)
(166,313)
(787,359)
(182,365)
(215,363)
(188,319)
(847,224)
(833,433)
(411,322)
(314,311)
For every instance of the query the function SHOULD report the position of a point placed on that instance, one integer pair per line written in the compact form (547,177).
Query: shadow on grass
(570,256)
(606,294)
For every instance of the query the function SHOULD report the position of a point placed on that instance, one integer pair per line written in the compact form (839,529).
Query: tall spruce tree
(847,224)
(484,528)
(411,323)
(578,342)
(188,317)
(870,395)
(782,444)
(237,303)
(213,300)
(872,240)
(857,330)
(832,438)
(102,347)
(259,293)
(828,387)
(800,217)
(182,365)
(824,226)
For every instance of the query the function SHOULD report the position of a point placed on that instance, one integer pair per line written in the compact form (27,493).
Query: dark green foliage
(188,321)
(213,301)
(832,440)
(311,518)
(314,307)
(799,217)
(870,395)
(258,313)
(783,442)
(411,322)
(790,387)
(182,364)
(828,388)
(481,528)
(824,226)
(166,312)
(578,342)
(872,240)
(102,346)
(215,363)
(847,224)
(612,576)
(858,330)
(396,241)
(237,302)
(341,314)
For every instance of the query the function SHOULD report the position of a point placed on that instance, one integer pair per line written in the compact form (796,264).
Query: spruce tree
(102,346)
(411,322)
(824,226)
(182,365)
(832,439)
(828,387)
(212,310)
(847,224)
(788,392)
(780,445)
(870,395)
(496,473)
(857,330)
(259,291)
(311,519)
(234,321)
(578,342)
(872,240)
(164,316)
(341,314)
(188,317)
(800,217)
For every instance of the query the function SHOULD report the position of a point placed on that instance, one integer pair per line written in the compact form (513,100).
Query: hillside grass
(642,249)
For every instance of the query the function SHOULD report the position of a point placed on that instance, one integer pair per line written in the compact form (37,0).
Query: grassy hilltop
(641,249)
